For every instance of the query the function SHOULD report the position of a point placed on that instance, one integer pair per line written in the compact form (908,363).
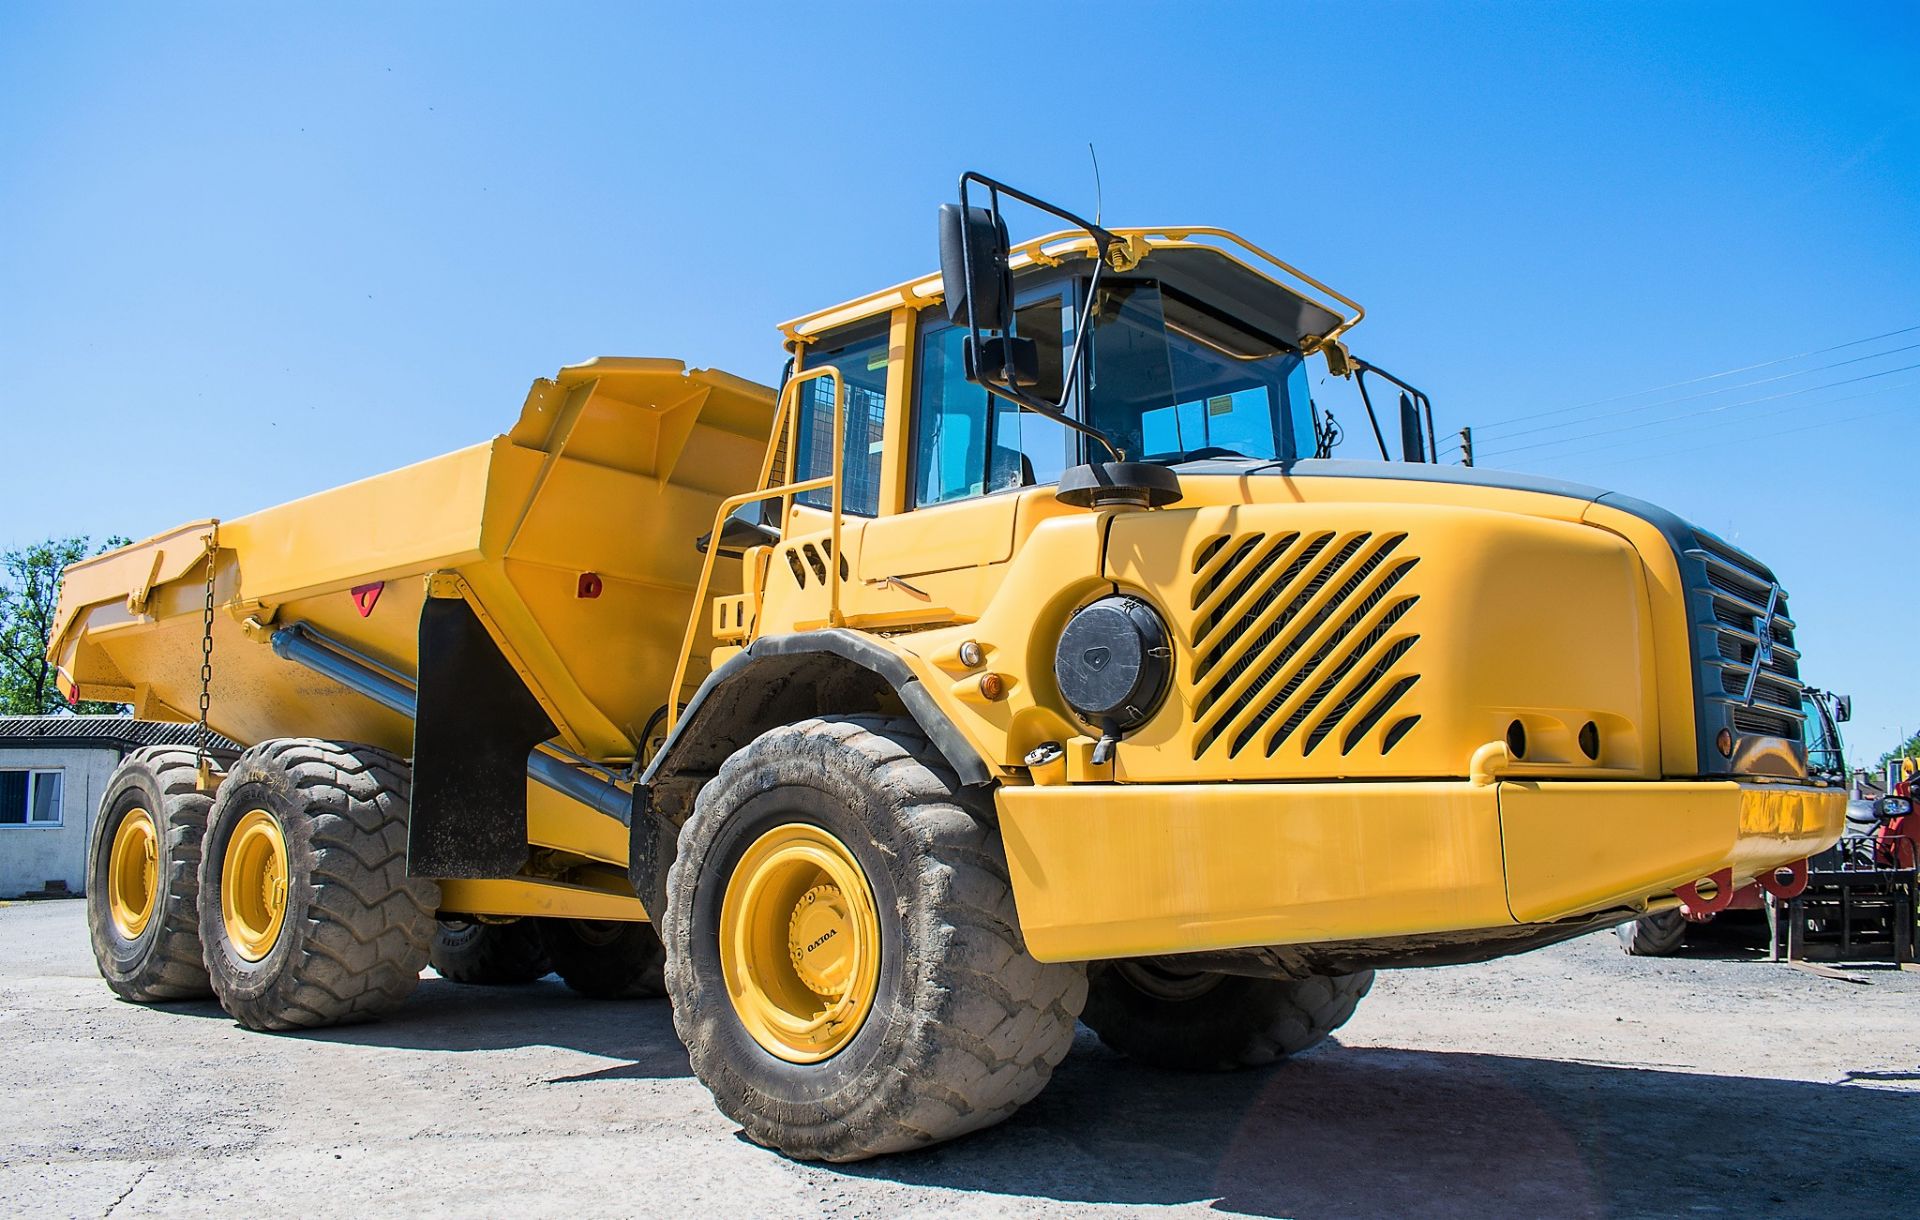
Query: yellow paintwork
(625,440)
(253,885)
(1350,655)
(133,873)
(800,943)
(1123,871)
(1587,846)
(550,899)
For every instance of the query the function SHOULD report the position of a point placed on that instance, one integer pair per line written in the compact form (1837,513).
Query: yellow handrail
(789,398)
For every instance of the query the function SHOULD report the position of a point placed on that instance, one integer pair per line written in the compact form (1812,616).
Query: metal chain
(205,764)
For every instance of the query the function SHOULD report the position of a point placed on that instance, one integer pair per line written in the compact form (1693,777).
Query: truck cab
(1452,712)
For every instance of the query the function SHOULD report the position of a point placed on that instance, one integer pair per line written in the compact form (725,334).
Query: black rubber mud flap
(475,725)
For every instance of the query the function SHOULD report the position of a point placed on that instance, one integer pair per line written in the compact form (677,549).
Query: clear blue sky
(247,252)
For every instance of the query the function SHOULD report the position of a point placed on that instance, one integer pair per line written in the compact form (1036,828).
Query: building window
(29,798)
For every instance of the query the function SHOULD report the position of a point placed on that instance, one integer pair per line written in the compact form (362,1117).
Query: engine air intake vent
(1739,605)
(1295,641)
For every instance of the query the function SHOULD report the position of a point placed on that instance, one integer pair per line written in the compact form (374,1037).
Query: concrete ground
(1569,1082)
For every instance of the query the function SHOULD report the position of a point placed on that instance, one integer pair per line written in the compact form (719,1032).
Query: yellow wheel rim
(253,885)
(800,943)
(133,872)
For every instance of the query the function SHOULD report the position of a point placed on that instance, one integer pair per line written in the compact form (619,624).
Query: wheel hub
(253,885)
(133,873)
(820,941)
(800,943)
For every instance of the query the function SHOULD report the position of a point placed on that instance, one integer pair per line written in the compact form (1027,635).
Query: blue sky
(247,253)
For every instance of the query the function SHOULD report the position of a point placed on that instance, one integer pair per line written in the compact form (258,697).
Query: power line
(1739,385)
(1744,419)
(1824,423)
(1674,385)
(1652,423)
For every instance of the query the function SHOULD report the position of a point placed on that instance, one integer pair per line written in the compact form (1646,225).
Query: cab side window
(861,358)
(968,442)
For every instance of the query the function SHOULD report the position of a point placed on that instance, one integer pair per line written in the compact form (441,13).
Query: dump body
(575,530)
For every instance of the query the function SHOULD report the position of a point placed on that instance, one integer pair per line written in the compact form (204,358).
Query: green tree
(29,591)
(1910,748)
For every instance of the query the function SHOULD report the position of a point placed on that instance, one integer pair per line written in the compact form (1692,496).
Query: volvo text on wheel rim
(800,943)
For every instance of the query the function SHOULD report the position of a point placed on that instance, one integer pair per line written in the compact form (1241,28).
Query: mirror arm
(1032,402)
(1360,370)
(1366,400)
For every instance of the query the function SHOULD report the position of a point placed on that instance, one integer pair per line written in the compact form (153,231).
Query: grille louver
(1294,640)
(1737,591)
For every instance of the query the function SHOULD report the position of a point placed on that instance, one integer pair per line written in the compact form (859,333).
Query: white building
(53,770)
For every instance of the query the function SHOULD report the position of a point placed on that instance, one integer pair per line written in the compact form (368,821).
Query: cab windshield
(1170,380)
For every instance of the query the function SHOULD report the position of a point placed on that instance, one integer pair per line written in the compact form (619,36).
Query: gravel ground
(1569,1082)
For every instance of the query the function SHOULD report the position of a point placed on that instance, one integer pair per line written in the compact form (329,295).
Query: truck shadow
(444,1016)
(1365,1131)
(1341,1132)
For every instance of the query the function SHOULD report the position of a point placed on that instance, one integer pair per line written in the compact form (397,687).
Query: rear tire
(1205,1021)
(489,954)
(940,1022)
(1658,935)
(341,933)
(606,959)
(145,925)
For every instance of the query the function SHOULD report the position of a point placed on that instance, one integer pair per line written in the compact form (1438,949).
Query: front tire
(1205,1021)
(143,878)
(843,953)
(308,916)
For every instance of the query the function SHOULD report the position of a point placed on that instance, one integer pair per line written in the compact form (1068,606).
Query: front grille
(1731,592)
(1293,641)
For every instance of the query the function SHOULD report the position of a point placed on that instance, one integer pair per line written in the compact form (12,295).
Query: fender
(776,680)
(781,670)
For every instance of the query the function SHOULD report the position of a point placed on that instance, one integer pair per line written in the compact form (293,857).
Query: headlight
(1114,663)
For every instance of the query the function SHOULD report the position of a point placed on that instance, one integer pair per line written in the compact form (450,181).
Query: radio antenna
(1096,181)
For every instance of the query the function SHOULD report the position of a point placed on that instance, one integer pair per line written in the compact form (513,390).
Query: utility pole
(1466,446)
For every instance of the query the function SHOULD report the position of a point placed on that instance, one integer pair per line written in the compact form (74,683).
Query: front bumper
(1102,871)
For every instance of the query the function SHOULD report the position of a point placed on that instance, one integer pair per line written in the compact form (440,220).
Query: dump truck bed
(573,534)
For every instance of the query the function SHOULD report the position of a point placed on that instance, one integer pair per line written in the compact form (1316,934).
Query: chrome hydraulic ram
(329,658)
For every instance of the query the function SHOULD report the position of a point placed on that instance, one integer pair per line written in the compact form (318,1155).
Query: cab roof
(1216,265)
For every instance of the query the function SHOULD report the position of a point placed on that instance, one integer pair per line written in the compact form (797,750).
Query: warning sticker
(1220,404)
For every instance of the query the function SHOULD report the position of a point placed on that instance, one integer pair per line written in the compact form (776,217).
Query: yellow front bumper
(1125,870)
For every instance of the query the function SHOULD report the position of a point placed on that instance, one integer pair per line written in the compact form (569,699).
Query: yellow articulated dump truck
(1026,657)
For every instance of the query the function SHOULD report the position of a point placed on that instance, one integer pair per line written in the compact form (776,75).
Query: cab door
(978,475)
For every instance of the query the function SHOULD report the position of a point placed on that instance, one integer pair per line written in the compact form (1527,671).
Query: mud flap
(475,725)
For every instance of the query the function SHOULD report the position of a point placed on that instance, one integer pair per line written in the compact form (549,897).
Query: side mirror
(739,533)
(1892,807)
(1413,442)
(1842,708)
(1004,360)
(975,238)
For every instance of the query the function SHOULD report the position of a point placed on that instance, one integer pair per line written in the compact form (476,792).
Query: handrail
(1050,249)
(789,400)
